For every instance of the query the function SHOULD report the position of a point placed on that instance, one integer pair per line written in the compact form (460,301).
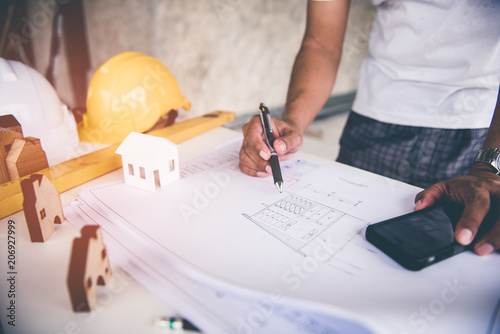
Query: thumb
(280,146)
(288,143)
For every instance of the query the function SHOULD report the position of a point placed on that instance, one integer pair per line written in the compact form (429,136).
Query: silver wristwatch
(490,156)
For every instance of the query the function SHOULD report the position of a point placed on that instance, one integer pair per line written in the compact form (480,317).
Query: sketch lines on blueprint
(299,221)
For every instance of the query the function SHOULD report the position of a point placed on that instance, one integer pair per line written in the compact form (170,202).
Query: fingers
(476,207)
(466,190)
(475,193)
(489,242)
(288,140)
(467,225)
(254,153)
(428,197)
(283,149)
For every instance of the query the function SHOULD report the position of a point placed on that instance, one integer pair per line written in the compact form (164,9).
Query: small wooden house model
(42,207)
(25,156)
(10,129)
(149,162)
(88,268)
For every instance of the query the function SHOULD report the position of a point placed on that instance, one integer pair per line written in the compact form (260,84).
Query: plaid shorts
(416,155)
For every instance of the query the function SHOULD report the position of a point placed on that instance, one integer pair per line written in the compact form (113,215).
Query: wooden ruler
(74,172)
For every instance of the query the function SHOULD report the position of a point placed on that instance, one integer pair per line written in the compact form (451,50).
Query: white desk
(42,303)
(42,300)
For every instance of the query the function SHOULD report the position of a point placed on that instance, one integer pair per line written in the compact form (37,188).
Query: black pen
(267,126)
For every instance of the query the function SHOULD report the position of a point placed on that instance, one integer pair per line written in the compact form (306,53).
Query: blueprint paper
(212,307)
(306,244)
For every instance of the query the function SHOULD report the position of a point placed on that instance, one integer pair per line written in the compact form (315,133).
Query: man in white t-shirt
(425,101)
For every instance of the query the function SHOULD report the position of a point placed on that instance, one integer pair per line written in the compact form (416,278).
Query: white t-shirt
(433,63)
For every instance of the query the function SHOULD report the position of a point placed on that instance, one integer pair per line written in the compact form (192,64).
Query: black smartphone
(419,239)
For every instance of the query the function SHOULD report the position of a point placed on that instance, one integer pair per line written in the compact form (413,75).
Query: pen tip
(279,185)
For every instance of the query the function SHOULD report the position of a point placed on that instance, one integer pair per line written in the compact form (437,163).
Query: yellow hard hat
(129,92)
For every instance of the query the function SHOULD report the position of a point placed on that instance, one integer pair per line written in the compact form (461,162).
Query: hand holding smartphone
(419,239)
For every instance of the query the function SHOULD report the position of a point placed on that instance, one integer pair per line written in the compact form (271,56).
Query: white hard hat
(27,95)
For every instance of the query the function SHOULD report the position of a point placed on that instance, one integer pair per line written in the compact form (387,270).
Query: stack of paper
(235,256)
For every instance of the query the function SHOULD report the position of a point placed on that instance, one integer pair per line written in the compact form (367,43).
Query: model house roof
(143,147)
(10,122)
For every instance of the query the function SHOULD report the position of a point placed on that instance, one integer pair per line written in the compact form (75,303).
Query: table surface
(39,290)
(40,293)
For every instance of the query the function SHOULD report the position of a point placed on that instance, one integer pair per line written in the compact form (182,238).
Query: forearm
(492,139)
(315,68)
(311,84)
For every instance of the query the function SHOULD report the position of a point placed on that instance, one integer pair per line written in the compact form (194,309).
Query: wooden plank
(74,172)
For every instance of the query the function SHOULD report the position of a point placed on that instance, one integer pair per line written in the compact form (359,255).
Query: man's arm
(479,191)
(315,68)
(311,83)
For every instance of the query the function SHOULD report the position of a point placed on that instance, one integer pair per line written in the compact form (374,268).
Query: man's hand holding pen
(254,152)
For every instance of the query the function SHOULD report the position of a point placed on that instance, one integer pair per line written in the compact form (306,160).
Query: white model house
(149,162)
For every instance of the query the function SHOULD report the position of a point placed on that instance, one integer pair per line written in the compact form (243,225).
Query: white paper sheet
(236,233)
(213,306)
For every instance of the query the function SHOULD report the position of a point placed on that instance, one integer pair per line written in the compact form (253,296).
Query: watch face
(496,162)
(490,156)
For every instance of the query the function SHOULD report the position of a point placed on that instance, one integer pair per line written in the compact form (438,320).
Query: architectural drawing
(305,245)
(297,220)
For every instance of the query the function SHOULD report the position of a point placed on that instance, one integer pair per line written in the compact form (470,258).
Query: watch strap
(490,156)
